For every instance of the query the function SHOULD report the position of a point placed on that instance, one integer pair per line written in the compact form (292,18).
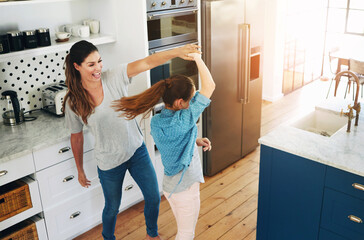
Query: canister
(30,39)
(16,40)
(4,44)
(43,37)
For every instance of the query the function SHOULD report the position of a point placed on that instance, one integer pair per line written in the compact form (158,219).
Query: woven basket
(14,198)
(25,230)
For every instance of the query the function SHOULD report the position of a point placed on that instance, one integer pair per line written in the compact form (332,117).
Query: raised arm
(207,82)
(156,59)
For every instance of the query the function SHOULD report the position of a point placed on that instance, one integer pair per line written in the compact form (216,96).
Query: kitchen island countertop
(343,150)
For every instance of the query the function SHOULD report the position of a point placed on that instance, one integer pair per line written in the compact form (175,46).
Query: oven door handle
(175,13)
(170,48)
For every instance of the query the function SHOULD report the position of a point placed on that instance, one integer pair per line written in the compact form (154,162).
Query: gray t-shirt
(193,174)
(116,139)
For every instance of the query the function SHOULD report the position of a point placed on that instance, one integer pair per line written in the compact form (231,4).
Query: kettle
(14,114)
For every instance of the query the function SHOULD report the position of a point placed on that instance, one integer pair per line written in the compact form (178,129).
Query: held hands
(205,143)
(185,51)
(82,179)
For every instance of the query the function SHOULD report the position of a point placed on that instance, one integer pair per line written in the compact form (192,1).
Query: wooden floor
(228,199)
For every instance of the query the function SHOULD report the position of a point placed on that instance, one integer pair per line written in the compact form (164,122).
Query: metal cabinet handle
(355,219)
(358,186)
(74,215)
(129,187)
(3,173)
(69,178)
(63,150)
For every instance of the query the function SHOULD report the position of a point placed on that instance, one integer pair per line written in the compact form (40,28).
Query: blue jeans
(142,171)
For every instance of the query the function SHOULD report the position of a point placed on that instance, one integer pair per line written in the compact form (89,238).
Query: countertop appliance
(14,114)
(232,121)
(52,98)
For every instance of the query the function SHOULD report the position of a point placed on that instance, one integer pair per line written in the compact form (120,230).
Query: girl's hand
(82,179)
(184,51)
(205,143)
(195,56)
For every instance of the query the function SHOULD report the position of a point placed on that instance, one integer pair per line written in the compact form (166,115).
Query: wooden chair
(358,68)
(334,62)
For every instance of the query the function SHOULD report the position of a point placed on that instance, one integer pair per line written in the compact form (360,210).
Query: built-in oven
(175,66)
(171,21)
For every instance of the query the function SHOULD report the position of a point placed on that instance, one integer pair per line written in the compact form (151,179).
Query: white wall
(274,30)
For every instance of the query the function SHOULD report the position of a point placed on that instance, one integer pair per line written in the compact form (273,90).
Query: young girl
(174,131)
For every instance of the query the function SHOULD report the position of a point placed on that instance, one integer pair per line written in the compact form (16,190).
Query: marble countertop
(17,141)
(342,150)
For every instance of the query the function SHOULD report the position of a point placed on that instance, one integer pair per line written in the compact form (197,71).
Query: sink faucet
(356,106)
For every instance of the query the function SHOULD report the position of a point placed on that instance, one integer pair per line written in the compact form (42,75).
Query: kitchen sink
(321,122)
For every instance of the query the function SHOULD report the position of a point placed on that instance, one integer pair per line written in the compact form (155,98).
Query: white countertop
(343,150)
(17,141)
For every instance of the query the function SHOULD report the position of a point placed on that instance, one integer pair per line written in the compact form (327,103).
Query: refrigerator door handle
(244,63)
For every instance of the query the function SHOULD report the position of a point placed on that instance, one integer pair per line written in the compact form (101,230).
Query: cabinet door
(343,214)
(327,235)
(10,170)
(290,196)
(72,217)
(60,182)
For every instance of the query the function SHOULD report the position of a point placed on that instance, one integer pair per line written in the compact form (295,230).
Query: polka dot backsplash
(28,76)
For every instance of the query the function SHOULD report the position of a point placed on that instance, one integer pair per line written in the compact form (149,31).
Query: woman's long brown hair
(169,90)
(80,101)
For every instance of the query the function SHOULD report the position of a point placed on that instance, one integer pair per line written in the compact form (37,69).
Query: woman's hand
(205,143)
(82,179)
(186,50)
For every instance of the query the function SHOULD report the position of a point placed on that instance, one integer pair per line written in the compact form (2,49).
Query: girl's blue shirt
(175,133)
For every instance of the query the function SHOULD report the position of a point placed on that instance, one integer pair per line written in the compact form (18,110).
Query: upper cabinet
(52,14)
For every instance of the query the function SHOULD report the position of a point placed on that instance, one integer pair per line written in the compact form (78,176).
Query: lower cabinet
(303,199)
(343,214)
(69,218)
(35,208)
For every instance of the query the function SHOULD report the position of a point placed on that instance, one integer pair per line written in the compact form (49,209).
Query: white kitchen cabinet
(59,152)
(60,182)
(35,209)
(73,216)
(11,170)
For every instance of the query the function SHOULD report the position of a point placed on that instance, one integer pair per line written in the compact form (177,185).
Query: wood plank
(232,217)
(244,229)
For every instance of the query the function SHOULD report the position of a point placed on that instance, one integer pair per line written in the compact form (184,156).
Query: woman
(119,143)
(175,134)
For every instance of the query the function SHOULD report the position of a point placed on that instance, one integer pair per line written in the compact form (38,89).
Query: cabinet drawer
(327,235)
(343,214)
(72,217)
(60,182)
(10,170)
(345,182)
(59,152)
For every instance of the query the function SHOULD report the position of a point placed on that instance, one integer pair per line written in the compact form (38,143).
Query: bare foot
(153,238)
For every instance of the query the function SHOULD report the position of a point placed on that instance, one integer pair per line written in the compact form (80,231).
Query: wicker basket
(14,198)
(25,230)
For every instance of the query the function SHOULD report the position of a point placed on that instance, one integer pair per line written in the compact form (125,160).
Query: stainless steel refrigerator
(232,121)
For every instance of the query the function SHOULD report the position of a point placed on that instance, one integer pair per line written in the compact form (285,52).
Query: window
(346,16)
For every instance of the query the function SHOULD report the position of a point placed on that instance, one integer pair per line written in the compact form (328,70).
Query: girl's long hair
(79,100)
(169,90)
